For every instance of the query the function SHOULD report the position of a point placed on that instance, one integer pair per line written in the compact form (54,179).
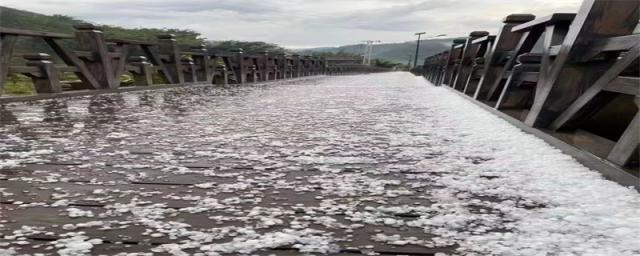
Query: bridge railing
(574,75)
(99,62)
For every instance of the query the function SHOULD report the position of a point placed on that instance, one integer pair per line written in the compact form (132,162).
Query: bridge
(259,154)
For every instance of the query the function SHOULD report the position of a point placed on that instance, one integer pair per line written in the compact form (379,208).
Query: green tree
(249,47)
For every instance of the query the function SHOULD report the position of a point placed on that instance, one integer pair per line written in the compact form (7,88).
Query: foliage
(18,85)
(340,53)
(385,63)
(157,78)
(185,37)
(126,80)
(13,18)
(253,47)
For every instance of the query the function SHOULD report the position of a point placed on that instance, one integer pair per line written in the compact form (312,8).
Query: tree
(248,47)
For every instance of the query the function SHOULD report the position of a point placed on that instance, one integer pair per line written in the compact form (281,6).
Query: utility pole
(368,51)
(364,53)
(415,60)
(409,62)
(369,55)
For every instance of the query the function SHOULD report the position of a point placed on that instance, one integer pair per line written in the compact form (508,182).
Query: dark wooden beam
(544,21)
(72,60)
(167,46)
(90,38)
(32,33)
(596,88)
(627,145)
(624,85)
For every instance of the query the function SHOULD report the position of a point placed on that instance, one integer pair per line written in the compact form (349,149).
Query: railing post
(254,73)
(240,67)
(323,65)
(318,66)
(48,80)
(263,64)
(204,72)
(296,66)
(222,69)
(289,64)
(188,68)
(308,65)
(282,66)
(303,65)
(143,73)
(90,38)
(170,56)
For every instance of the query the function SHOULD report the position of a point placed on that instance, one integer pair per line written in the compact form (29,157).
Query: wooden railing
(573,75)
(99,62)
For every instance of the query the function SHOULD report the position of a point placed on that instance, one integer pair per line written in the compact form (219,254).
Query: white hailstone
(389,221)
(205,185)
(68,227)
(76,213)
(399,242)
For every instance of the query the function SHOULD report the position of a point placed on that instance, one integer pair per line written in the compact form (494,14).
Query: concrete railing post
(142,75)
(170,56)
(48,80)
(297,68)
(95,54)
(282,66)
(264,68)
(188,68)
(240,69)
(204,71)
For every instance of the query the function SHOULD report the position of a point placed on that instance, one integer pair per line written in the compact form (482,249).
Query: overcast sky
(302,23)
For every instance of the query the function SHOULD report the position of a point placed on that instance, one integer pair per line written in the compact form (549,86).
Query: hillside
(13,18)
(395,52)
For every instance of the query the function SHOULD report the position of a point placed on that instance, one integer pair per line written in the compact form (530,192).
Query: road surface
(348,165)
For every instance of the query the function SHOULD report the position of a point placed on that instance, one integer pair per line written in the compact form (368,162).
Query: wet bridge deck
(343,165)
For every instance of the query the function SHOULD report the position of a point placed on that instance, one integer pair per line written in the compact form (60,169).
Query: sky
(302,23)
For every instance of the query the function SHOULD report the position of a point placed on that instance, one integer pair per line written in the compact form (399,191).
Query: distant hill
(394,52)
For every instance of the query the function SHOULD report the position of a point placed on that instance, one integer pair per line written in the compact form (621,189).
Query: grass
(21,85)
(18,85)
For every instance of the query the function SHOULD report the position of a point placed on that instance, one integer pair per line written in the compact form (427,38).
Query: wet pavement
(366,164)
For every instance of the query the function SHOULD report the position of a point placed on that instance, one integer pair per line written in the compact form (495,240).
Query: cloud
(303,23)
(403,17)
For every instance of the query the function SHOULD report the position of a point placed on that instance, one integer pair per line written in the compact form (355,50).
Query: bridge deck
(344,165)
